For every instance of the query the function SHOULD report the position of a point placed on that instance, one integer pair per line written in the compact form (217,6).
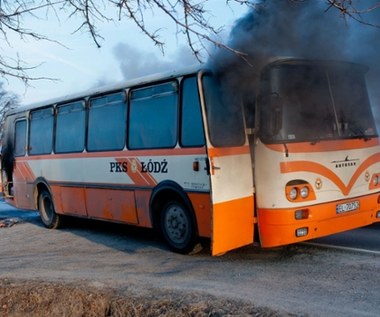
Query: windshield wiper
(356,131)
(315,141)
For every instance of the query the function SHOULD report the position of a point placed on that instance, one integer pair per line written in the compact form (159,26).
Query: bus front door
(232,198)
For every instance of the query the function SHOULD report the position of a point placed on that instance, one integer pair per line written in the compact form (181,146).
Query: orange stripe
(147,177)
(312,167)
(25,171)
(20,170)
(228,151)
(132,173)
(324,146)
(136,175)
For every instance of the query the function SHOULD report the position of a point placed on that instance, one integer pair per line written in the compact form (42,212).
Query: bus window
(153,117)
(192,133)
(224,113)
(20,138)
(70,128)
(41,131)
(107,123)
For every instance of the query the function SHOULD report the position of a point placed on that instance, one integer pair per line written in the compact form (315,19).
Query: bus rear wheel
(47,212)
(177,227)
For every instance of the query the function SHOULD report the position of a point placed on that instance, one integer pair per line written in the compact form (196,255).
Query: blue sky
(125,52)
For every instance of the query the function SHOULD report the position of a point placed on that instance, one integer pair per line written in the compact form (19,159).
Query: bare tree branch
(349,10)
(189,17)
(137,16)
(91,14)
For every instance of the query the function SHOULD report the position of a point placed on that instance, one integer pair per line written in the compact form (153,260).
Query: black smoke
(304,29)
(308,29)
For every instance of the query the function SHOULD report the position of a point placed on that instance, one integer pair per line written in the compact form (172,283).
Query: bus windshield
(312,102)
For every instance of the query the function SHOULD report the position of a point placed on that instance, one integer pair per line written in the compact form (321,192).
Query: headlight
(293,193)
(304,192)
(376,180)
(299,190)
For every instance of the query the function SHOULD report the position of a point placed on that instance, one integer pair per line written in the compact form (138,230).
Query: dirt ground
(99,269)
(19,298)
(36,299)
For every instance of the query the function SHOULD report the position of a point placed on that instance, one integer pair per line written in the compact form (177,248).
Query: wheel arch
(164,192)
(40,184)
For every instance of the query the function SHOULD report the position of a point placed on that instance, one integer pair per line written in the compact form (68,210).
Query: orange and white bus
(293,155)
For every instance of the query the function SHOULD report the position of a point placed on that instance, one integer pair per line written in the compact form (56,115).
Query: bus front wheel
(47,212)
(177,227)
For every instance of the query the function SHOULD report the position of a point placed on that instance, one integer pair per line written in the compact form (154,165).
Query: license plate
(351,206)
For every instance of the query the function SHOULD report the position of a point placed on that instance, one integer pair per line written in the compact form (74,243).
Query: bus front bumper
(286,226)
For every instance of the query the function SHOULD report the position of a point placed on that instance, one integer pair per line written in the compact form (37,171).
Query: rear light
(302,232)
(378,214)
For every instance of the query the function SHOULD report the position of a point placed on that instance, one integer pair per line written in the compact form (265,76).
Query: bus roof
(109,88)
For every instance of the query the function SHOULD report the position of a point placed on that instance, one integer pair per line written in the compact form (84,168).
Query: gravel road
(300,279)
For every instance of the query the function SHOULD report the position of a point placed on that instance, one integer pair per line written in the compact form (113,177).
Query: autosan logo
(347,162)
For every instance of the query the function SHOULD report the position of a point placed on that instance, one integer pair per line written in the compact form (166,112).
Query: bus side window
(41,131)
(192,133)
(20,138)
(70,128)
(153,117)
(107,123)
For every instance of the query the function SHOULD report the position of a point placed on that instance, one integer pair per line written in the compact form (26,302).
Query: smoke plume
(136,63)
(304,29)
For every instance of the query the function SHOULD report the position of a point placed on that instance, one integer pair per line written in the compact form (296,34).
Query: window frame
(214,139)
(30,128)
(16,121)
(181,94)
(58,106)
(89,99)
(131,90)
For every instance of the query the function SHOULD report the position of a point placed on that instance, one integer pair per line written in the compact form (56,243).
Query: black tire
(47,212)
(177,227)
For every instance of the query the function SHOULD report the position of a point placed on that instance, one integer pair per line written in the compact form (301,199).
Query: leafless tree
(188,16)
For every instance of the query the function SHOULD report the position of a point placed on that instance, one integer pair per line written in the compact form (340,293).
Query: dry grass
(37,299)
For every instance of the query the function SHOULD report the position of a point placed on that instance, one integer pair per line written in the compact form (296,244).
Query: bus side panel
(142,208)
(111,204)
(69,200)
(202,210)
(23,179)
